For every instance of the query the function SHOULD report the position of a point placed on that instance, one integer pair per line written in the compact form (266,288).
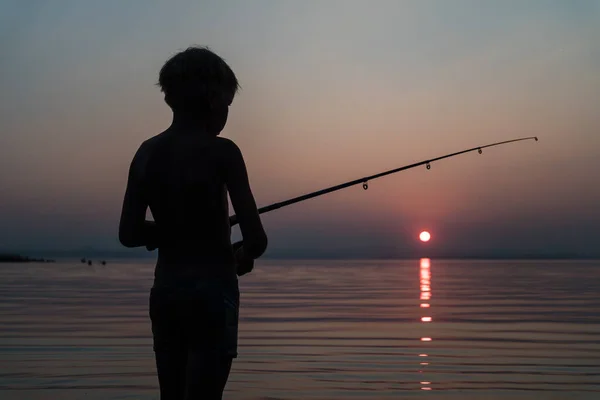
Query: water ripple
(316,330)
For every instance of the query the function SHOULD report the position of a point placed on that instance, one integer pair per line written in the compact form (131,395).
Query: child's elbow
(264,243)
(126,241)
(258,246)
(127,238)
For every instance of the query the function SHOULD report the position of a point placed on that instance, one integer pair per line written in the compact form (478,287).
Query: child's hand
(243,264)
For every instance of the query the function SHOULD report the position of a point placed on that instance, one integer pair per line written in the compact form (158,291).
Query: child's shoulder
(227,144)
(149,143)
(223,141)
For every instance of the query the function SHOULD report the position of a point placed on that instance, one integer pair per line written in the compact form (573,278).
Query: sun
(424,236)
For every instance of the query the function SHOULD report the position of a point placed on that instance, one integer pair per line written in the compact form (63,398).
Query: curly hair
(197,80)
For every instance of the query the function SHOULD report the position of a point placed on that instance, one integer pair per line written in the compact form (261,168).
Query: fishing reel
(428,166)
(479,151)
(365,185)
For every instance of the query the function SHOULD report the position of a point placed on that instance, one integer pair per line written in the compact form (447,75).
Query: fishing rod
(365,181)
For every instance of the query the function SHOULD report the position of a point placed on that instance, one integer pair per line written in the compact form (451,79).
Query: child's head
(199,82)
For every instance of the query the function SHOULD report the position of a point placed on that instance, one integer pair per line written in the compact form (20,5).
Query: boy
(184,175)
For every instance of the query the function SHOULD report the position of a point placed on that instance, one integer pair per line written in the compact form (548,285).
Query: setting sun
(424,236)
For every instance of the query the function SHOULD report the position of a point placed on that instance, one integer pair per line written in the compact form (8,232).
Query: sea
(358,329)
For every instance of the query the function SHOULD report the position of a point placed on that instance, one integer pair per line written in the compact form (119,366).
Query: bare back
(185,178)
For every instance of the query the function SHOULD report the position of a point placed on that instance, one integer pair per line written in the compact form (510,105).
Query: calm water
(318,330)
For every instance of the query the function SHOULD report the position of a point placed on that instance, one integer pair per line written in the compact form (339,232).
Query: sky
(331,91)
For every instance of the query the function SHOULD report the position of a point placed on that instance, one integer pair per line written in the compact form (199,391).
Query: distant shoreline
(136,257)
(16,258)
(138,254)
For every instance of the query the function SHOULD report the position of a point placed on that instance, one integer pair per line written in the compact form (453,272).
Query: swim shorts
(196,316)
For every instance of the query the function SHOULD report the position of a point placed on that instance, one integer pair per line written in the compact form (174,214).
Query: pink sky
(331,92)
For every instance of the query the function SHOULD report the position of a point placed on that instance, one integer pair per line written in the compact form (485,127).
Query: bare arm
(244,205)
(134,230)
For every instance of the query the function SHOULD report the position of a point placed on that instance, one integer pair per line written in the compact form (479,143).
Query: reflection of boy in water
(183,175)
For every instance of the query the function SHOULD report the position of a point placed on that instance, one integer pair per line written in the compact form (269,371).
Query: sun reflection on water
(425,285)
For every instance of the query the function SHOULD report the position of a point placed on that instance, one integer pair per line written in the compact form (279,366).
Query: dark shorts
(196,316)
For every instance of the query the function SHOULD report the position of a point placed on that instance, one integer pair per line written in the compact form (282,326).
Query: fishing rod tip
(536,139)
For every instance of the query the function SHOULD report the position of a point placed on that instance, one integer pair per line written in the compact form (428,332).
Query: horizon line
(143,254)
